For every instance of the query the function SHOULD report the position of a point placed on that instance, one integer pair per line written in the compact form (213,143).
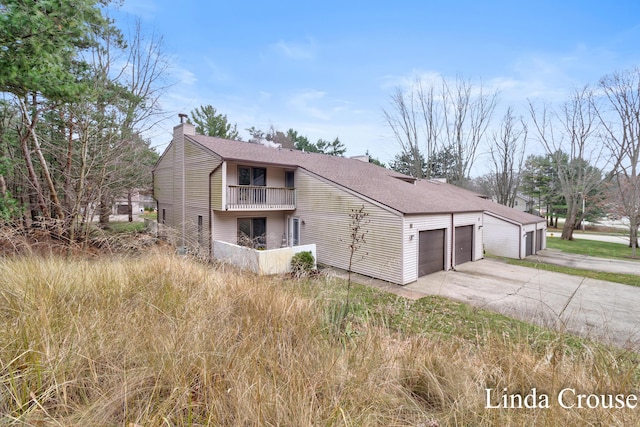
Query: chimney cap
(182,117)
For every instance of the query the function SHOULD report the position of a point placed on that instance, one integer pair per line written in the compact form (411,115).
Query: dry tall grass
(161,340)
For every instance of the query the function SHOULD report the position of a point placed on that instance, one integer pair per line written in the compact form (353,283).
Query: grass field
(590,247)
(162,340)
(586,247)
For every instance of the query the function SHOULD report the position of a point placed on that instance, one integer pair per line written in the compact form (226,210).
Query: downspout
(184,192)
(210,239)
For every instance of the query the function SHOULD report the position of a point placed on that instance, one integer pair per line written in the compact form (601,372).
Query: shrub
(302,263)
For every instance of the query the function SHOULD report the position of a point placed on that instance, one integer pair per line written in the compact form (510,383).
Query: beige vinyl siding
(168,209)
(501,237)
(218,189)
(163,178)
(178,182)
(226,226)
(475,219)
(199,163)
(323,209)
(413,224)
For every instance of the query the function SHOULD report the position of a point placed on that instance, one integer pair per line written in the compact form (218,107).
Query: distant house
(140,201)
(222,195)
(522,203)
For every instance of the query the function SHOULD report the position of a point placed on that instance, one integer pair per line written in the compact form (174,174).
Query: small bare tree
(357,224)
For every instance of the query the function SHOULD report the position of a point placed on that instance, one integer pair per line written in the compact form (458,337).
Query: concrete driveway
(604,311)
(585,262)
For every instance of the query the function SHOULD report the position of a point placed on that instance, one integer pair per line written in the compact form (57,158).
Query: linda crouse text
(567,398)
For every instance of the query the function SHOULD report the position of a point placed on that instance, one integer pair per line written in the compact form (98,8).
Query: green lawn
(125,227)
(150,215)
(625,279)
(590,247)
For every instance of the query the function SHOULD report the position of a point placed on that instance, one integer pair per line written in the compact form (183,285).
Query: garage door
(431,251)
(464,244)
(539,240)
(529,244)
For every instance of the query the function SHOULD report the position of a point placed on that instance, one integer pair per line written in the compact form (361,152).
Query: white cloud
(408,81)
(304,101)
(182,76)
(216,72)
(296,51)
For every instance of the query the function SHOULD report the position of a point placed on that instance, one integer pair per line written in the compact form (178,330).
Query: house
(141,200)
(222,195)
(521,203)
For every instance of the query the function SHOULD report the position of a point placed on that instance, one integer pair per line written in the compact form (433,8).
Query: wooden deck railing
(249,197)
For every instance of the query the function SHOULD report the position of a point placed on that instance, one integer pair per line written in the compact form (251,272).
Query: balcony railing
(249,197)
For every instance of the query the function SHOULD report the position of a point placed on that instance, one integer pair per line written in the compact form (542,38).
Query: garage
(529,244)
(123,209)
(464,244)
(539,240)
(431,251)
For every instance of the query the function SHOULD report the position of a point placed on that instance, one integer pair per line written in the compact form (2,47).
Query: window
(288,179)
(256,177)
(252,176)
(164,215)
(252,232)
(200,229)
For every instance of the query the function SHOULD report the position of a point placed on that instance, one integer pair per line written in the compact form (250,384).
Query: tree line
(590,141)
(209,122)
(77,96)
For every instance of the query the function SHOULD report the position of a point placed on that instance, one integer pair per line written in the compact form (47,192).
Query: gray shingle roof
(385,186)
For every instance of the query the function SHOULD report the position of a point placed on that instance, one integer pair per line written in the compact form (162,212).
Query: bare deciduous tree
(403,121)
(428,118)
(431,112)
(571,139)
(507,155)
(467,114)
(622,128)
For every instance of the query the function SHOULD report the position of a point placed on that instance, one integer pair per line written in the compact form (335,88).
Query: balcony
(257,198)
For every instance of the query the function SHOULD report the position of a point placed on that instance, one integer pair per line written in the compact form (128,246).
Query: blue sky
(328,68)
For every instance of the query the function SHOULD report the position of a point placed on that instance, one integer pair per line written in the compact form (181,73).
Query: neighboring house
(522,203)
(140,200)
(217,193)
